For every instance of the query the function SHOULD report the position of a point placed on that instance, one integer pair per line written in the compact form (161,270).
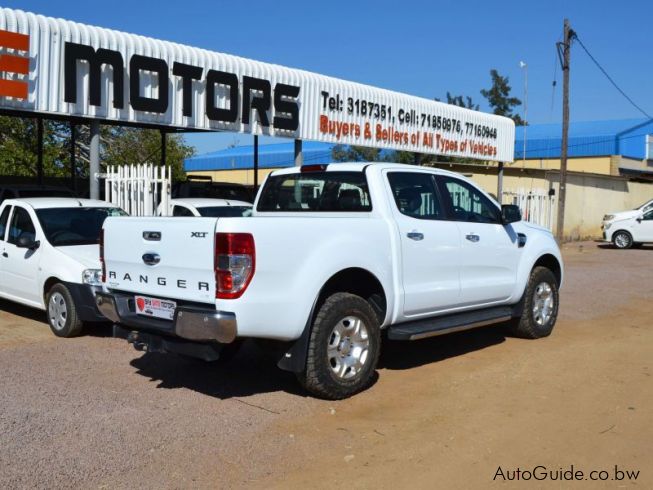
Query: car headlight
(608,217)
(92,277)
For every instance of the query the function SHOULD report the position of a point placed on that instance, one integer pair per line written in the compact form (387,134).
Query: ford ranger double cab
(333,256)
(49,257)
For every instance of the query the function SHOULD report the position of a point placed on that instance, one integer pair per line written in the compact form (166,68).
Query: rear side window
(316,191)
(21,224)
(4,219)
(415,195)
(181,211)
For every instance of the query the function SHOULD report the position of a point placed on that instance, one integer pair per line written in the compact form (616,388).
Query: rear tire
(343,349)
(62,313)
(622,240)
(540,309)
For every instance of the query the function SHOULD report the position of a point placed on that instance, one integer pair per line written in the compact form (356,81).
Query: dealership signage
(57,67)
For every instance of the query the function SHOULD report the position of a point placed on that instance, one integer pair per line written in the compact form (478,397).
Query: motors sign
(90,72)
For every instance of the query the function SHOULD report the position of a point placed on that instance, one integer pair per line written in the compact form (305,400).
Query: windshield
(225,211)
(646,206)
(316,191)
(74,226)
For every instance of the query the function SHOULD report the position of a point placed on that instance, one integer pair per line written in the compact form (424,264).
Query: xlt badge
(198,234)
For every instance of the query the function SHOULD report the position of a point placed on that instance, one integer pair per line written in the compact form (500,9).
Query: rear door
(430,244)
(161,257)
(489,251)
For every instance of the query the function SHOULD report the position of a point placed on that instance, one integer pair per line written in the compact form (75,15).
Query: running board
(440,325)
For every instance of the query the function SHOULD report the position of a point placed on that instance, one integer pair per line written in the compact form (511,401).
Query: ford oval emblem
(151,259)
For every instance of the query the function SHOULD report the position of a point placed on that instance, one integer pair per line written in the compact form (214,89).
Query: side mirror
(510,214)
(26,240)
(639,219)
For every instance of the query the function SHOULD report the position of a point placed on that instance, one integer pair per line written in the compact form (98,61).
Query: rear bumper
(190,322)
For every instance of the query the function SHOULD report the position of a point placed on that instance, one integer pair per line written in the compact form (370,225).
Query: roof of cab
(359,166)
(60,202)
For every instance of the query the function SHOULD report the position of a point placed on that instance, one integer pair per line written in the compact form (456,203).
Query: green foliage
(119,146)
(461,101)
(346,153)
(498,96)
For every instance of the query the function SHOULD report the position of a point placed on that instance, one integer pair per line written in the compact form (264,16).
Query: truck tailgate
(161,257)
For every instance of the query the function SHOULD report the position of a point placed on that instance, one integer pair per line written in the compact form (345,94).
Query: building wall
(595,165)
(235,176)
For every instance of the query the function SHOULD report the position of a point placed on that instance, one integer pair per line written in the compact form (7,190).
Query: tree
(346,153)
(119,146)
(465,102)
(498,96)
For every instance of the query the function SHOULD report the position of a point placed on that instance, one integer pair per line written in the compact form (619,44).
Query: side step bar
(430,327)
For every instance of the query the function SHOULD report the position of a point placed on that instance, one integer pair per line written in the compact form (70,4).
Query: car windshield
(647,205)
(225,211)
(74,226)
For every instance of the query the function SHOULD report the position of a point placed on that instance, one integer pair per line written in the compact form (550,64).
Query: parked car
(50,257)
(631,228)
(203,186)
(21,191)
(210,208)
(333,255)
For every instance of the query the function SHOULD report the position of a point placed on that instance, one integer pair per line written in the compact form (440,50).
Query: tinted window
(21,224)
(4,218)
(181,211)
(467,203)
(74,226)
(648,216)
(316,191)
(415,195)
(225,211)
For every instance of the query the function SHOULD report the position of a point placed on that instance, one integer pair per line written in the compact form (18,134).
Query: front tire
(62,313)
(343,348)
(622,240)
(540,310)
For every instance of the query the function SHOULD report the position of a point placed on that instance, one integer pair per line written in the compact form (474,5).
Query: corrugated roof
(270,156)
(625,137)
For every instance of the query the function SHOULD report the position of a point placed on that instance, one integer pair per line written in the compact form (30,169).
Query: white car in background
(50,257)
(208,208)
(629,228)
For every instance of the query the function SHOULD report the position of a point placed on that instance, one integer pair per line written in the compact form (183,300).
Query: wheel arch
(552,263)
(47,285)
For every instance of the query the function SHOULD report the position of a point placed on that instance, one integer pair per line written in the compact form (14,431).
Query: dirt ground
(448,412)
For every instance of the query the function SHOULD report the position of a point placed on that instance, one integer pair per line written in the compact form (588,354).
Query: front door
(429,244)
(643,228)
(489,252)
(20,265)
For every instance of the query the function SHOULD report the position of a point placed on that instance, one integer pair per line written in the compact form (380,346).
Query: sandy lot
(448,412)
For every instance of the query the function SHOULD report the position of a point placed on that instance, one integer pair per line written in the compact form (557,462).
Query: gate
(138,189)
(536,205)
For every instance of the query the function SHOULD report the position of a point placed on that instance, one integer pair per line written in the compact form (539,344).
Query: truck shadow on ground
(398,355)
(254,371)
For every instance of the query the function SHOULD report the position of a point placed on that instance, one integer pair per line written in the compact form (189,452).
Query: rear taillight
(104,267)
(235,260)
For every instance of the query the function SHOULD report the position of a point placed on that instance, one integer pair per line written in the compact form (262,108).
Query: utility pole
(568,34)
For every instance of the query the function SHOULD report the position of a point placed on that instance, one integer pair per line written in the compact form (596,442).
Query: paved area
(93,413)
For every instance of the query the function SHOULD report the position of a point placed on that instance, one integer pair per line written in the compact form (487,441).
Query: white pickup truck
(333,256)
(50,257)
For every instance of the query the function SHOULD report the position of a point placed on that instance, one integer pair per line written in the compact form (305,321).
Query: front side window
(468,203)
(74,226)
(4,219)
(316,191)
(415,195)
(648,216)
(21,225)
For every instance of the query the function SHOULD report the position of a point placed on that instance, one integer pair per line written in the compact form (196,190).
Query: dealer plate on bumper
(154,307)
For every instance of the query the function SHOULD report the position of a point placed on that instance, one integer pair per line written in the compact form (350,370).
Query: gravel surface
(93,413)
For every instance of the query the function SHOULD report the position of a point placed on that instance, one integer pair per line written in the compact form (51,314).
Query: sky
(419,48)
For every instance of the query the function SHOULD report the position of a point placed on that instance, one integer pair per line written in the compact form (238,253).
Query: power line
(610,78)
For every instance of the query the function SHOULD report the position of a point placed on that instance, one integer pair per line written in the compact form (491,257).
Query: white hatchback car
(629,228)
(208,208)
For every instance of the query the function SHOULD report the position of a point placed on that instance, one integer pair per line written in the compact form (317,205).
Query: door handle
(415,235)
(473,238)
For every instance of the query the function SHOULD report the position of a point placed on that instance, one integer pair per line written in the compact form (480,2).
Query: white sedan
(209,208)
(629,228)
